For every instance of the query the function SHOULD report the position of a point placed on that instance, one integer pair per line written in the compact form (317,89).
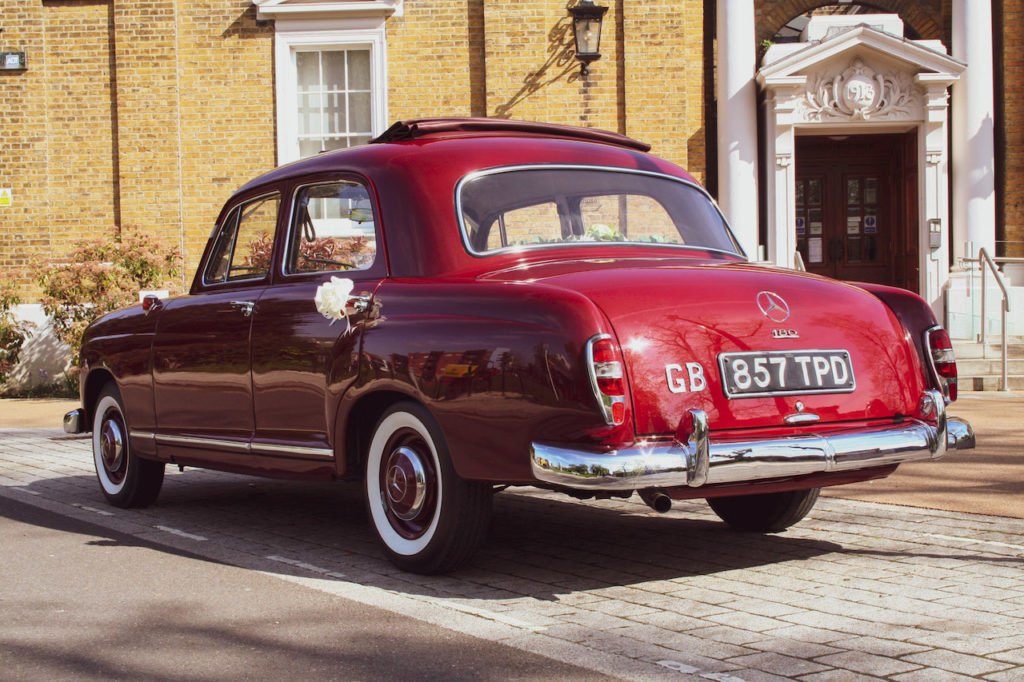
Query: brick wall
(151,112)
(146,113)
(1011,105)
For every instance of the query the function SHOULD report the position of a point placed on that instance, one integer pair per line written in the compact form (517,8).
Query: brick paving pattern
(856,591)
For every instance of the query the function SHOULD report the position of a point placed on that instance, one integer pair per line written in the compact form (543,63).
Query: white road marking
(94,510)
(309,567)
(181,533)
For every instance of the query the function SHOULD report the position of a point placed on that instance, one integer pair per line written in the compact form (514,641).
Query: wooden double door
(856,207)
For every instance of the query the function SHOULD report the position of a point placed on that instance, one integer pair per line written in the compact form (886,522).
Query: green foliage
(12,332)
(103,275)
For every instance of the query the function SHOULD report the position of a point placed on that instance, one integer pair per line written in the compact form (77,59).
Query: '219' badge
(689,380)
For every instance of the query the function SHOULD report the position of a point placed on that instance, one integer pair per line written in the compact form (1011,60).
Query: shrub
(103,275)
(12,332)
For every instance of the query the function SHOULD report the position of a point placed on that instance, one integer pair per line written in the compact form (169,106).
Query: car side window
(332,228)
(245,242)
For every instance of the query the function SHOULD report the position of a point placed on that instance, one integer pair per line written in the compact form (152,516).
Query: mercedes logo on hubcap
(773,306)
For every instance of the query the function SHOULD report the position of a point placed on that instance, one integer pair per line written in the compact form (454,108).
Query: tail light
(942,361)
(607,378)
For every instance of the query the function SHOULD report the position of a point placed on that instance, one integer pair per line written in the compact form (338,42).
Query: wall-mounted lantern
(586,26)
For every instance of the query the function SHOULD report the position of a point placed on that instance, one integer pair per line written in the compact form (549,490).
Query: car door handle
(244,306)
(360,304)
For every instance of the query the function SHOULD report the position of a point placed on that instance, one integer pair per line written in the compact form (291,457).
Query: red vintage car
(467,304)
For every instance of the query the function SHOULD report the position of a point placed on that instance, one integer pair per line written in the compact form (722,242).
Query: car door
(303,361)
(202,374)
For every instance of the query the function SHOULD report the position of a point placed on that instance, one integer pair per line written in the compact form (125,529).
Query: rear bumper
(698,461)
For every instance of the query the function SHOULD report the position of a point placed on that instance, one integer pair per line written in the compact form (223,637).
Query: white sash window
(331,73)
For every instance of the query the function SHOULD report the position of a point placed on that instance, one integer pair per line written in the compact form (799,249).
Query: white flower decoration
(332,298)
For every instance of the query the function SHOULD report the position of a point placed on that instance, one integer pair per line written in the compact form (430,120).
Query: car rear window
(514,208)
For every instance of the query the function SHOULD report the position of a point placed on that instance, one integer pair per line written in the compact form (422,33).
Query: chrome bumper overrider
(698,461)
(74,421)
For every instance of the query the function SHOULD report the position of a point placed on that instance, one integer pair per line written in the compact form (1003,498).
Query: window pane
(359,112)
(310,147)
(335,143)
(334,70)
(334,113)
(521,207)
(310,116)
(255,240)
(307,65)
(359,70)
(333,229)
(217,269)
(335,106)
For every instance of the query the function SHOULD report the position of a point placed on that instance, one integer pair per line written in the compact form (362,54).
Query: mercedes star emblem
(773,306)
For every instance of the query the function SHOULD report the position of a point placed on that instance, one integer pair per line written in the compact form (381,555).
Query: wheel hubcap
(405,481)
(408,484)
(112,448)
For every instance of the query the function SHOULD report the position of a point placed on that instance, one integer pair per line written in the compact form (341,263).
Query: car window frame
(379,267)
(469,177)
(233,213)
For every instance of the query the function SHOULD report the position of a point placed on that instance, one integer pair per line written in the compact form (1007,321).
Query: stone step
(980,366)
(990,383)
(966,350)
(991,366)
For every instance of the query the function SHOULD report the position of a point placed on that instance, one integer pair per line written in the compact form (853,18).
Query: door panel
(852,212)
(201,372)
(302,364)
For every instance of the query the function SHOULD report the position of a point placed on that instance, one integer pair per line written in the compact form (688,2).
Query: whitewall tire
(427,518)
(126,480)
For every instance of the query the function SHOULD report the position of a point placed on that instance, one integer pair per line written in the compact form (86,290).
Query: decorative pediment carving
(861,93)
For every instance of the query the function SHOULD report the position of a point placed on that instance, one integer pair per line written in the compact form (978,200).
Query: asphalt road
(83,602)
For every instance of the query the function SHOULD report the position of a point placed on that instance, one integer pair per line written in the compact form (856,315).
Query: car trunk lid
(749,345)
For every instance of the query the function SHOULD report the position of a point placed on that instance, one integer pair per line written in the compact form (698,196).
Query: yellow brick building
(149,113)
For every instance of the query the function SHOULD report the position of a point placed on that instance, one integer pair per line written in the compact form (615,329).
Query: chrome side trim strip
(199,442)
(237,446)
(298,451)
(698,461)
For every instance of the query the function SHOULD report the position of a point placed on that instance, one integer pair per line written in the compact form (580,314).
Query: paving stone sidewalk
(857,591)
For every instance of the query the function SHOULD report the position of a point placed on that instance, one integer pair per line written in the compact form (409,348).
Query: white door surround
(860,80)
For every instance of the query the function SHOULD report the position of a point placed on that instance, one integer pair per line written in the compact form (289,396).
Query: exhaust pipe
(656,499)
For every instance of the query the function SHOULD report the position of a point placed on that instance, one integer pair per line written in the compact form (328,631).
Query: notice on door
(814,249)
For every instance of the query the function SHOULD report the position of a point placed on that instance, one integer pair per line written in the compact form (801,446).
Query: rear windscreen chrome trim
(463,232)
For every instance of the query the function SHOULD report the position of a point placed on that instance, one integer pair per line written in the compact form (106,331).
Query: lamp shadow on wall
(247,25)
(561,63)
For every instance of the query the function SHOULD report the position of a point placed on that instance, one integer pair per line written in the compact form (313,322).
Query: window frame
(292,37)
(467,244)
(376,270)
(234,217)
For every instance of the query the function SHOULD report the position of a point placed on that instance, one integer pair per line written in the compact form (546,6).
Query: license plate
(759,373)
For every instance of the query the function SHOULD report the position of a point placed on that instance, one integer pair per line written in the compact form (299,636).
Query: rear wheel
(428,519)
(125,479)
(766,513)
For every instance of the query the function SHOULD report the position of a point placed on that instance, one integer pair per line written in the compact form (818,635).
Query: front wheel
(765,513)
(428,519)
(125,479)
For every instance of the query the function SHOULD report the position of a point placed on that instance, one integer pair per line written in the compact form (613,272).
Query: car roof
(486,131)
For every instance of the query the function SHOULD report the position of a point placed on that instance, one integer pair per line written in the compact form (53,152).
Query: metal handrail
(985,260)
